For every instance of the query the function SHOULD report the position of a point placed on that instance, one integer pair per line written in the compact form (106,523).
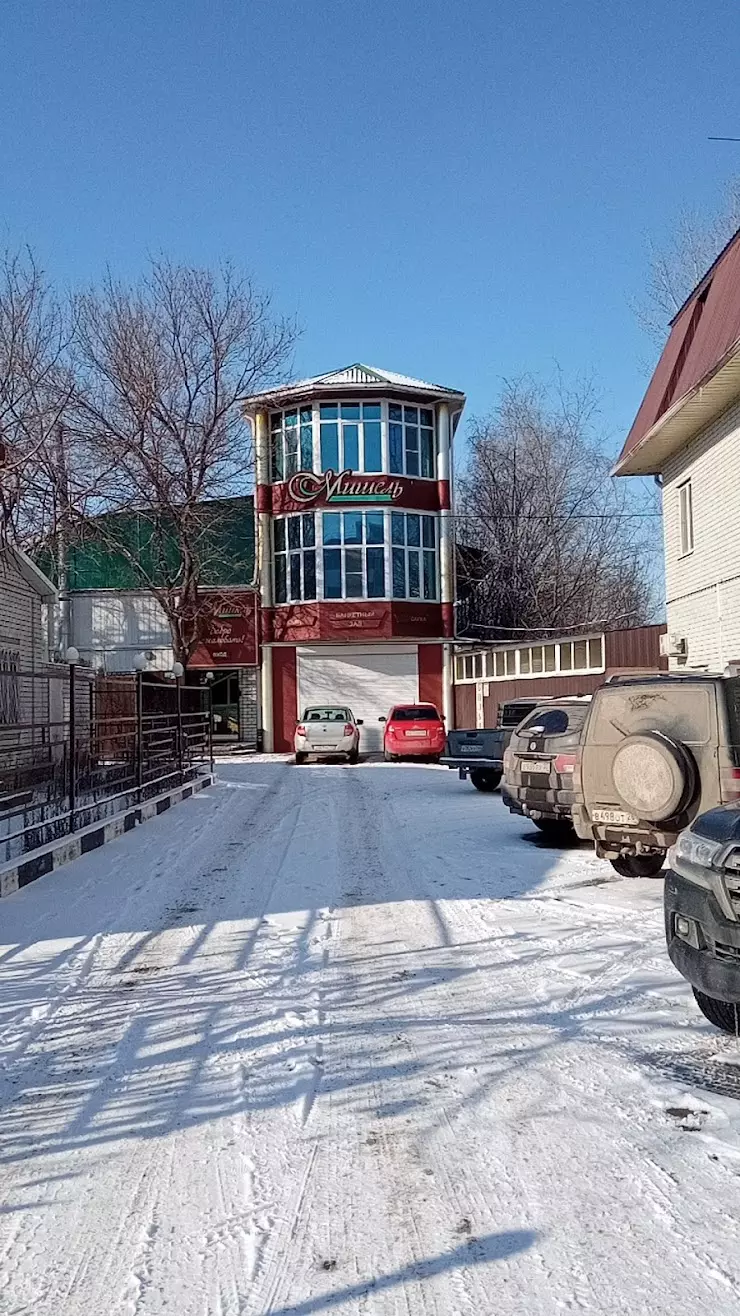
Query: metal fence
(76,748)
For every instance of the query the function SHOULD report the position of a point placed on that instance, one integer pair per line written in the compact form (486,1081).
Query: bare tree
(676,266)
(550,541)
(162,371)
(35,389)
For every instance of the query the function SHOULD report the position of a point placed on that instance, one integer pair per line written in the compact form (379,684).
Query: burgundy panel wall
(284,697)
(430,675)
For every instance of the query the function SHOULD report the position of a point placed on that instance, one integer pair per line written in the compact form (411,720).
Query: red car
(413,731)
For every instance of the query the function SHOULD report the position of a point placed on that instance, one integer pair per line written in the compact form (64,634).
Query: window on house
(350,436)
(469,667)
(489,667)
(10,711)
(686,517)
(501,664)
(478,666)
(411,446)
(596,653)
(459,668)
(291,442)
(354,555)
(414,556)
(295,558)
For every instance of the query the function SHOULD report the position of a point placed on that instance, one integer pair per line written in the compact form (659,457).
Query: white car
(327,730)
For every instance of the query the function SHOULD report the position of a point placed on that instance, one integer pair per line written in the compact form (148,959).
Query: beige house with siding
(687,434)
(26,598)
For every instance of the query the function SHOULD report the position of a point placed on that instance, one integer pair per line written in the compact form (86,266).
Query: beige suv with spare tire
(656,751)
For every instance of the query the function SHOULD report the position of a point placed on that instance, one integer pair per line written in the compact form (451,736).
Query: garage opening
(369,680)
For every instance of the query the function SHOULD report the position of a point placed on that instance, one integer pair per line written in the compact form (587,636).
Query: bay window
(355,554)
(369,437)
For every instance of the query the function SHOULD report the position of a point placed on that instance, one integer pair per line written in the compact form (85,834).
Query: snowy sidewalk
(356,1041)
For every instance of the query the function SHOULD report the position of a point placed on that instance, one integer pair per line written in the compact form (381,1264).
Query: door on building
(225,705)
(369,680)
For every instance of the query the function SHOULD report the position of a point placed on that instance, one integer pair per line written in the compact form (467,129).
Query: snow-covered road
(356,1041)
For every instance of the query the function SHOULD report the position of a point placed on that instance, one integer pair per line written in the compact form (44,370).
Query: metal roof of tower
(348,379)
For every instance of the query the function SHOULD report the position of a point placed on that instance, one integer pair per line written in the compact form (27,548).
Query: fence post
(210,724)
(139,735)
(178,678)
(72,746)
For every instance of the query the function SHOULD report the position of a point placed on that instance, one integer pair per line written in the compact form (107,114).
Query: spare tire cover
(652,775)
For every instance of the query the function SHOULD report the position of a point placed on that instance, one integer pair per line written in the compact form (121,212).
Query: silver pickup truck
(479,754)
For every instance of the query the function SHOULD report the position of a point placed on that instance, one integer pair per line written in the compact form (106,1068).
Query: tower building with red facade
(354,499)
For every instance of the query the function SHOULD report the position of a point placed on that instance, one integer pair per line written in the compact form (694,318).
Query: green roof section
(224,543)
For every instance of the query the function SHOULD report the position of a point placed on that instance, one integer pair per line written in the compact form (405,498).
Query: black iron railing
(81,748)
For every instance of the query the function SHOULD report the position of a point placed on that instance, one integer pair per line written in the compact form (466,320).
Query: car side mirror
(382,719)
(360,722)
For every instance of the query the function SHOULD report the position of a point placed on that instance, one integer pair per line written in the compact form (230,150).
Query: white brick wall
(703,587)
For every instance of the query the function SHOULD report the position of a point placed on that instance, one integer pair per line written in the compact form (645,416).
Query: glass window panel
(353,573)
(277,455)
(566,657)
(353,527)
(395,444)
(374,527)
(329,411)
(332,528)
(280,587)
(276,420)
(459,668)
(524,661)
(399,573)
(511,662)
(594,653)
(412,439)
(488,665)
(375,573)
(373,454)
(332,573)
(295,575)
(428,524)
(579,655)
(413,530)
(329,447)
(411,415)
(291,452)
(279,534)
(309,575)
(414,592)
(398,528)
(351,437)
(309,530)
(394,412)
(306,448)
(426,417)
(306,415)
(427,454)
(469,668)
(294,532)
(549,657)
(412,457)
(291,418)
(430,575)
(537,659)
(371,411)
(478,666)
(501,664)
(350,411)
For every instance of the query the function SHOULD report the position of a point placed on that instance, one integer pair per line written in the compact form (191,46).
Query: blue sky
(456,190)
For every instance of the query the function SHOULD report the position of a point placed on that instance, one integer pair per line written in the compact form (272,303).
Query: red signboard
(306,490)
(356,622)
(228,631)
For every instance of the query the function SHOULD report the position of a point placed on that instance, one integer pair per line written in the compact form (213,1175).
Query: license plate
(470,749)
(613,816)
(421,735)
(534,765)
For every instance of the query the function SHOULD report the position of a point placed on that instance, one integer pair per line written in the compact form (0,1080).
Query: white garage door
(368,680)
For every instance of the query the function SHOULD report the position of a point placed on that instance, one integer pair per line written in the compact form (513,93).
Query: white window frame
(685,518)
(315,409)
(513,656)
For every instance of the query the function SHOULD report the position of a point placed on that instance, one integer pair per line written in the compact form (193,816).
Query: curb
(49,857)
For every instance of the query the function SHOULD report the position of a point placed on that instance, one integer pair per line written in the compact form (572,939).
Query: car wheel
(300,758)
(723,1014)
(638,865)
(353,756)
(556,828)
(485,780)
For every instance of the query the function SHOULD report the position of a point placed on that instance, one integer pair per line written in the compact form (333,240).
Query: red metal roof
(702,334)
